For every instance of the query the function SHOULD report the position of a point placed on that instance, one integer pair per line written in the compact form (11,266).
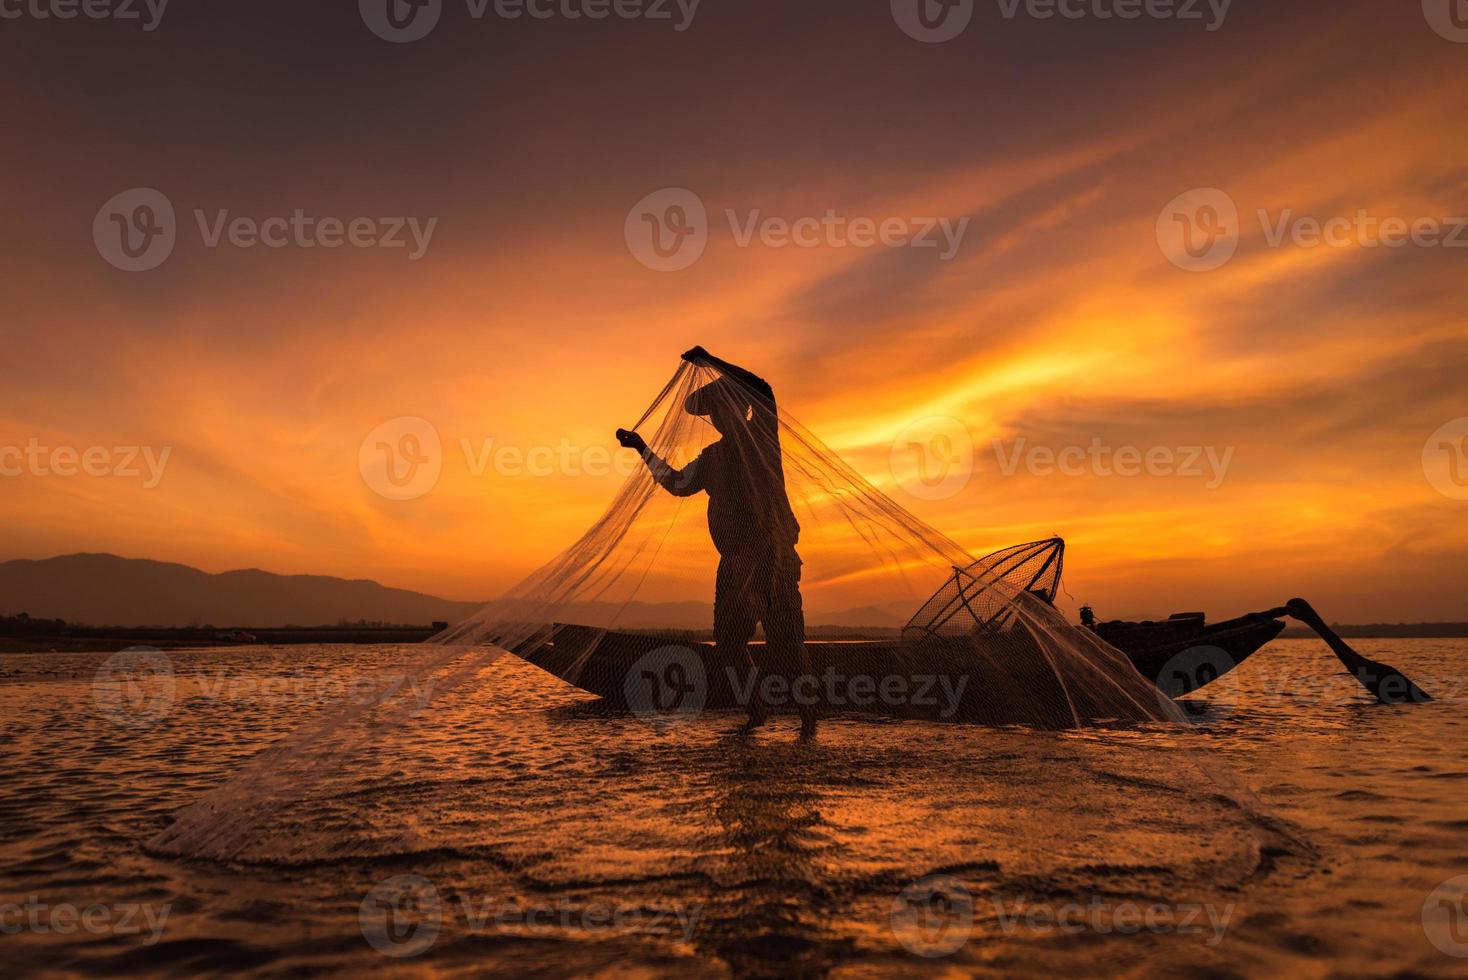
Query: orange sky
(1059,321)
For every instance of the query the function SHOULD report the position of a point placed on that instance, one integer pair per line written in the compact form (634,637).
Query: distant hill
(106,590)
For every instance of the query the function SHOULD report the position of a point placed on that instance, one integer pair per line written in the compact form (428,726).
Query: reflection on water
(766,913)
(560,840)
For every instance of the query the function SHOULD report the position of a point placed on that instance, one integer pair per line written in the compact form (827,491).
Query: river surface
(1294,828)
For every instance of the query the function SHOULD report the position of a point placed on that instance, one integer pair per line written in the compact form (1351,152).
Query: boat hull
(1182,654)
(660,673)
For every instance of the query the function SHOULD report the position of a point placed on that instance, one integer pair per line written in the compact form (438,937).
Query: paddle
(1389,685)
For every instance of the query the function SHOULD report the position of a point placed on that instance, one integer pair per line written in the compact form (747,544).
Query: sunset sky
(1059,320)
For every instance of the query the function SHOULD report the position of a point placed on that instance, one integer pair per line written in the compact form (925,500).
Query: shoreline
(81,639)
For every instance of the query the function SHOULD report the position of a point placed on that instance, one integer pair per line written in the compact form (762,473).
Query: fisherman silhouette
(751,523)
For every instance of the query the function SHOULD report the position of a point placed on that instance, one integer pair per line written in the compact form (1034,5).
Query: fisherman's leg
(734,622)
(784,622)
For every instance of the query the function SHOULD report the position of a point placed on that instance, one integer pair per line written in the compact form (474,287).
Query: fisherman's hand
(631,440)
(697,356)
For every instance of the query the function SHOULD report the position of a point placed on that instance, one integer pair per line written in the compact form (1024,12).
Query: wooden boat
(1183,653)
(667,673)
(1007,680)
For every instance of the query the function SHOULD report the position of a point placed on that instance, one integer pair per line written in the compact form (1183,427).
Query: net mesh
(799,573)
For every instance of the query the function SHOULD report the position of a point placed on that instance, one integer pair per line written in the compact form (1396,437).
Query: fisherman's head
(724,402)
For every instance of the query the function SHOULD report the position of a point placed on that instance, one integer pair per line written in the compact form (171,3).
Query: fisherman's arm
(680,483)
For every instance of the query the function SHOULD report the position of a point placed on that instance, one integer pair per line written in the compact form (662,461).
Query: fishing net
(743,573)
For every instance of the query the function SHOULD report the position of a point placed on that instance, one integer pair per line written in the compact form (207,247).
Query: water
(511,830)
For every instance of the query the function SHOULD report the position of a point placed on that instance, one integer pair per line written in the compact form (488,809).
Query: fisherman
(751,523)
